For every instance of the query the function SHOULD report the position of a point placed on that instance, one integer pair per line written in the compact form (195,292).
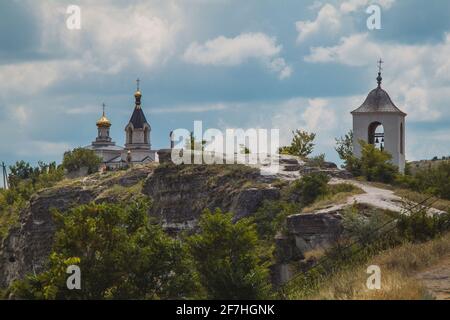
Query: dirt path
(373,196)
(436,279)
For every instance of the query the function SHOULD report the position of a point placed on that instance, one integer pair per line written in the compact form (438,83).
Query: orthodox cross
(380,63)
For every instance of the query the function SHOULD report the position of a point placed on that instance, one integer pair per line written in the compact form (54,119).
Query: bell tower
(378,121)
(137,131)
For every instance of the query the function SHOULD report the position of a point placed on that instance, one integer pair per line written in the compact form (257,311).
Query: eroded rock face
(315,230)
(27,247)
(181,193)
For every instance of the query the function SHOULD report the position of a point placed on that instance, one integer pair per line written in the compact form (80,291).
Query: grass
(418,197)
(338,194)
(398,269)
(118,193)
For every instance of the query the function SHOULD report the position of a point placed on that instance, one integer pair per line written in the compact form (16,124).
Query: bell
(377,141)
(382,140)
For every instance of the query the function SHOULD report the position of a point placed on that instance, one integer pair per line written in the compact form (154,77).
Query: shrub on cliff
(433,180)
(376,165)
(309,188)
(302,144)
(226,258)
(120,255)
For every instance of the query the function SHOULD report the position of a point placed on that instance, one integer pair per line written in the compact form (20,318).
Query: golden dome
(103,122)
(138,94)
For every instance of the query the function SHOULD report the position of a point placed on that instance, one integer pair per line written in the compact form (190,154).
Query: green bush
(226,258)
(376,165)
(419,226)
(81,158)
(317,161)
(366,227)
(270,216)
(120,254)
(435,180)
(302,144)
(307,189)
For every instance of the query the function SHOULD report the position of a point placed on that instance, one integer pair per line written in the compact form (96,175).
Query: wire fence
(323,263)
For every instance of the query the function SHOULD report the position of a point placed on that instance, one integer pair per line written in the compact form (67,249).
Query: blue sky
(232,64)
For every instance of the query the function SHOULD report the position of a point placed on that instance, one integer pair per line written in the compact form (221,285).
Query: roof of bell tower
(378,100)
(138,117)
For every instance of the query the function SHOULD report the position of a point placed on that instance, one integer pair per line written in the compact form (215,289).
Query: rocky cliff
(179,195)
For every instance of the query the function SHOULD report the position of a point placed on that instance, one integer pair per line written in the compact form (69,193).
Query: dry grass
(398,267)
(339,194)
(418,197)
(118,193)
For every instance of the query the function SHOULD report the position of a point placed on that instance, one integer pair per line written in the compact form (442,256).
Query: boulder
(315,230)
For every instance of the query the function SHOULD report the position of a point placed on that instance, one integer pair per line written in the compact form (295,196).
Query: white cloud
(191,108)
(354,5)
(328,20)
(223,51)
(27,78)
(87,109)
(42,148)
(414,74)
(333,20)
(21,115)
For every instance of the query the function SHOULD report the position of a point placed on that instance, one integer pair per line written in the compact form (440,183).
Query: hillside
(300,215)
(179,194)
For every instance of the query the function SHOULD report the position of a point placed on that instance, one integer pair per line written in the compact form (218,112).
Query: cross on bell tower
(380,68)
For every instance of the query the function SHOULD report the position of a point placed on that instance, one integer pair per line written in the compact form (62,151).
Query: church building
(378,121)
(137,148)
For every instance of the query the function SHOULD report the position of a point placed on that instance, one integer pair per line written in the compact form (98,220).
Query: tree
(120,254)
(226,258)
(20,171)
(344,148)
(375,164)
(78,158)
(302,144)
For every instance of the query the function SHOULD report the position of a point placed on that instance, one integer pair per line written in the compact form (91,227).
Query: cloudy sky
(231,63)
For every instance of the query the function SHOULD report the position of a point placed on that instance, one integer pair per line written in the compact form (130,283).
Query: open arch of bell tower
(379,110)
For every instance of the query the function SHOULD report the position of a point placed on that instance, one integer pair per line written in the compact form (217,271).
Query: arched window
(402,135)
(376,135)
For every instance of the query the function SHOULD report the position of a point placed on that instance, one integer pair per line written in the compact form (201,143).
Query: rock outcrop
(28,246)
(315,230)
(179,194)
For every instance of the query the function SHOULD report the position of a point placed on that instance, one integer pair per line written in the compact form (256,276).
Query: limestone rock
(312,231)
